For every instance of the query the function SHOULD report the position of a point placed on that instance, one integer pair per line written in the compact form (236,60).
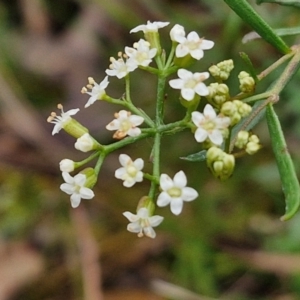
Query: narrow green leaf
(244,10)
(295,3)
(290,184)
(199,156)
(249,65)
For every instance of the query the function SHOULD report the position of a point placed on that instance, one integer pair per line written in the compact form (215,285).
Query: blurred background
(228,244)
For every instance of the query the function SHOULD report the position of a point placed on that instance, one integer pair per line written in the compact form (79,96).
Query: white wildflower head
(142,223)
(131,171)
(149,27)
(141,54)
(120,67)
(67,165)
(175,192)
(190,84)
(62,120)
(193,45)
(210,126)
(75,186)
(177,34)
(125,124)
(97,90)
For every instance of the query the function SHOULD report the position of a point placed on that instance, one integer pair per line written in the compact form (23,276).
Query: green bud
(242,139)
(247,83)
(222,70)
(91,177)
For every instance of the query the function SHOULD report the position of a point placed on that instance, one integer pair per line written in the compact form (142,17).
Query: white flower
(97,90)
(209,125)
(61,121)
(193,45)
(85,143)
(190,84)
(177,34)
(140,54)
(130,171)
(74,186)
(125,124)
(175,191)
(67,165)
(142,223)
(119,67)
(150,27)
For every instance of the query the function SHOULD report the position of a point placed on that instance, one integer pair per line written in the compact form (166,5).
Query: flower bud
(177,33)
(222,70)
(247,83)
(220,163)
(86,143)
(67,165)
(91,177)
(242,139)
(218,94)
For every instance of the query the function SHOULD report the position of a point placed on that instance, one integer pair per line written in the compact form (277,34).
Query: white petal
(130,216)
(143,213)
(206,44)
(72,112)
(75,200)
(189,194)
(184,74)
(134,227)
(129,182)
(165,182)
(201,135)
(176,206)
(201,89)
(176,84)
(193,36)
(67,177)
(180,179)
(86,193)
(188,94)
(134,131)
(80,179)
(119,173)
(197,54)
(149,232)
(163,199)
(181,50)
(113,125)
(139,177)
(139,164)
(197,117)
(209,111)
(216,137)
(136,120)
(124,159)
(155,220)
(67,188)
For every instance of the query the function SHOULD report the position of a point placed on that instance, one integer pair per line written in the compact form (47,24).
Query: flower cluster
(211,127)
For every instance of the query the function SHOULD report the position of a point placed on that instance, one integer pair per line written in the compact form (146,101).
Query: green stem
(88,159)
(156,165)
(160,100)
(99,163)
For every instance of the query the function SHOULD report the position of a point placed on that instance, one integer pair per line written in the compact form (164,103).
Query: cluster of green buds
(211,128)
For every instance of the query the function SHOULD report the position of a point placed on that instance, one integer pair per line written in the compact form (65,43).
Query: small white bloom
(119,67)
(85,143)
(130,171)
(175,192)
(177,34)
(140,54)
(62,120)
(190,84)
(142,223)
(125,124)
(149,27)
(67,165)
(74,186)
(193,45)
(97,90)
(209,125)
